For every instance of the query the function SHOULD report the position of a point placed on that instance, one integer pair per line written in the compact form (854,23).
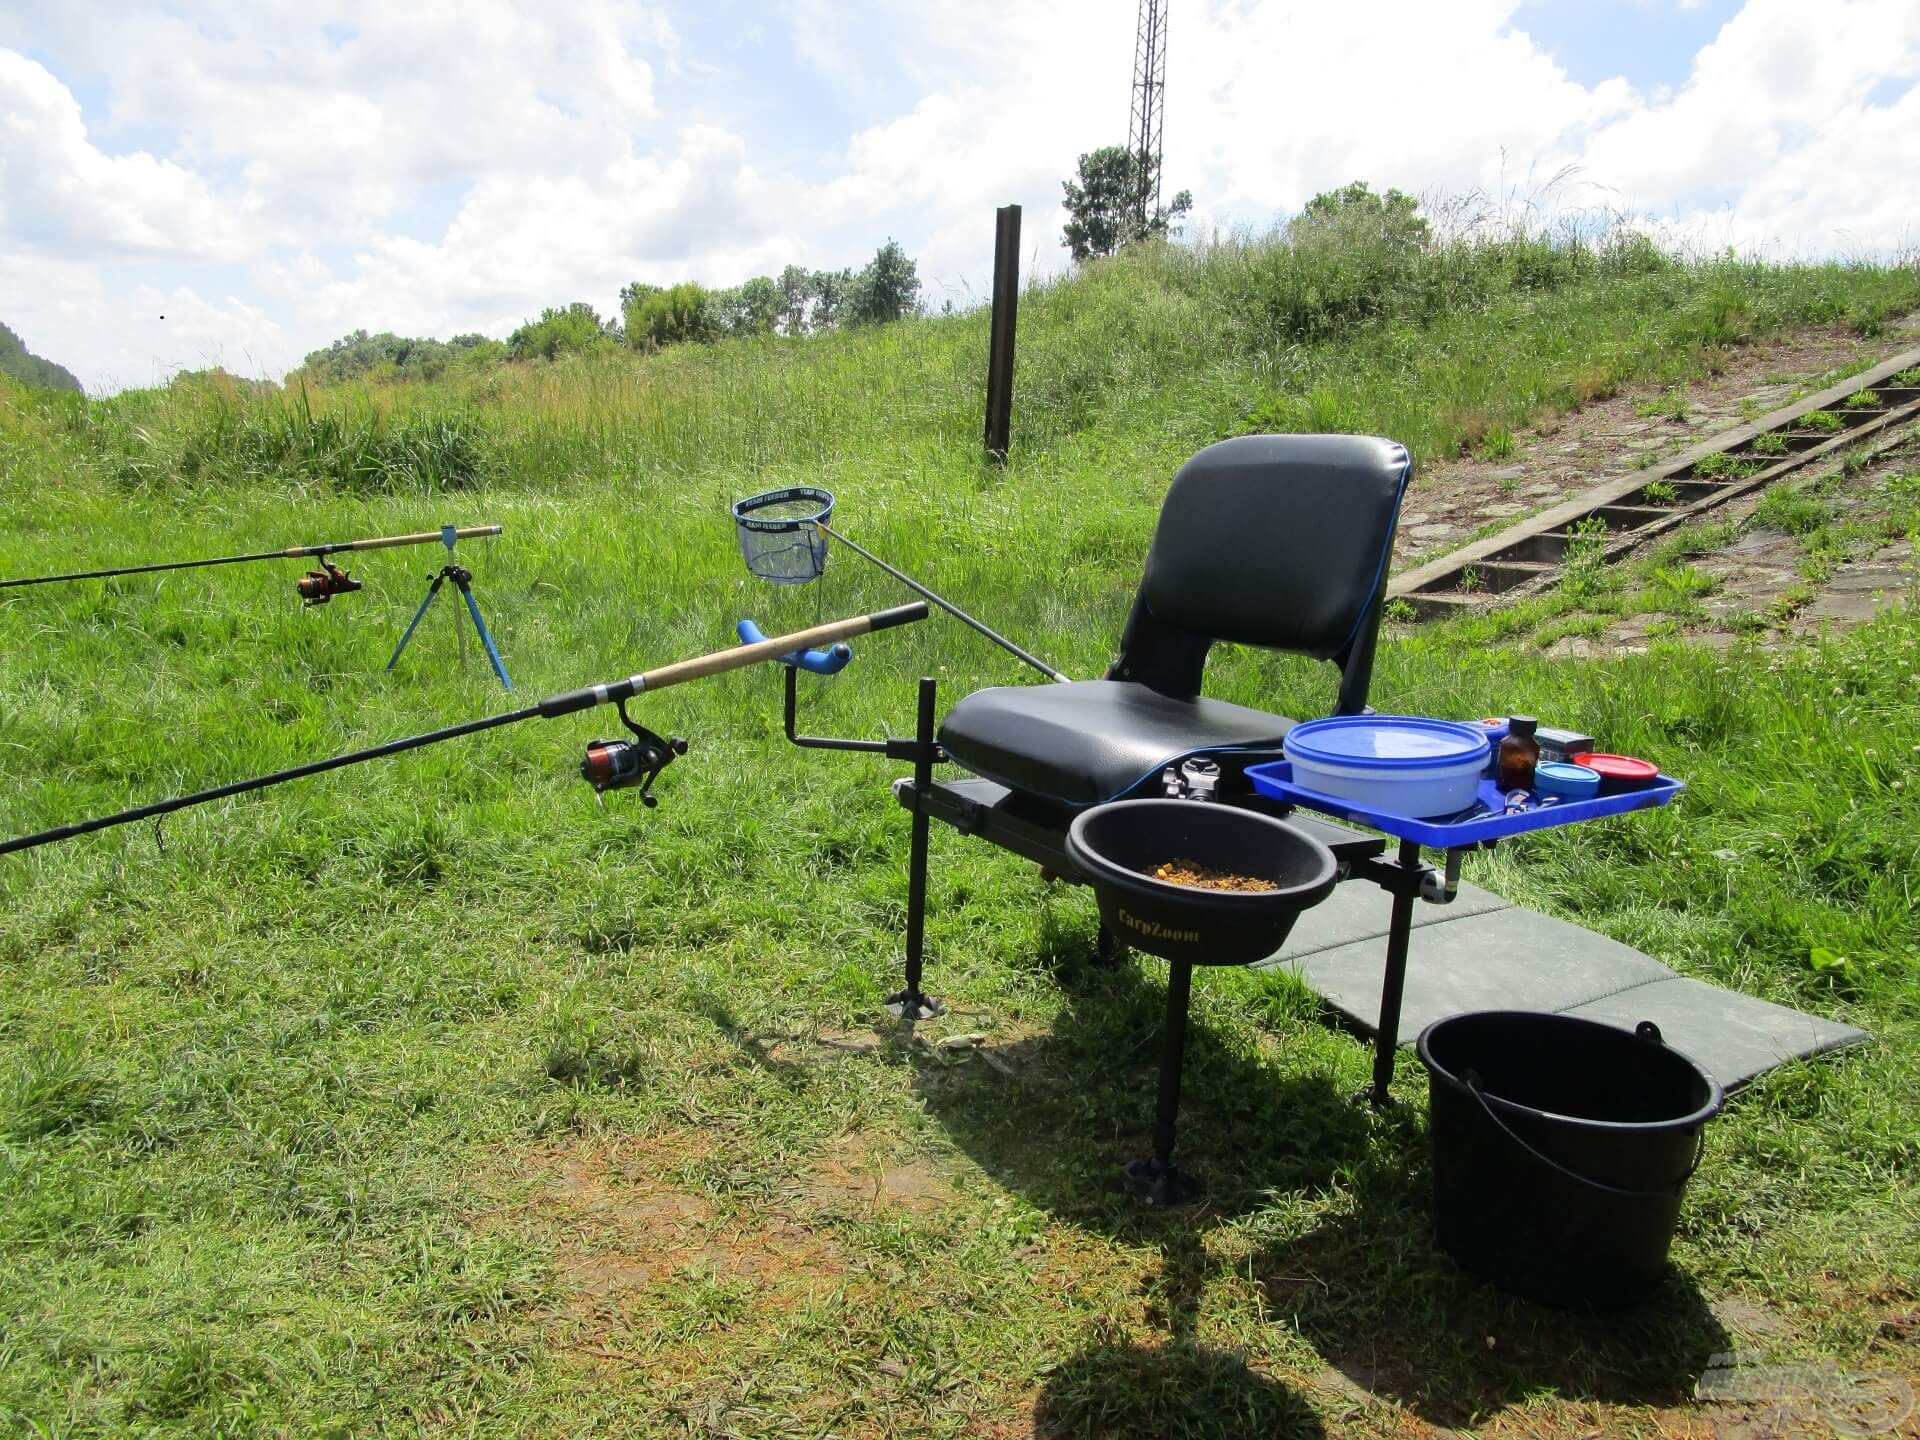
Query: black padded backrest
(1280,541)
(1277,540)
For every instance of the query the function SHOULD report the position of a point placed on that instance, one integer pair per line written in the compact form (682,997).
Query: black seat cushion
(1094,740)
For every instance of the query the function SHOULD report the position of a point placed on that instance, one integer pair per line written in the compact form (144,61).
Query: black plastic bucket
(1561,1149)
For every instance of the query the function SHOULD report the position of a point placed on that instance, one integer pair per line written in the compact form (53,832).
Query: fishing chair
(1280,541)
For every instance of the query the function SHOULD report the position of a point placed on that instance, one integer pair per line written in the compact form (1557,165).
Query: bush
(387,356)
(887,289)
(556,333)
(673,316)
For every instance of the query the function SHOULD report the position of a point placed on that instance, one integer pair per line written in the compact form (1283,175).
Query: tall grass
(1161,348)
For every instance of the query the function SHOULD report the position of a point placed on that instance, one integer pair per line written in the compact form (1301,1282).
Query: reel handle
(821,662)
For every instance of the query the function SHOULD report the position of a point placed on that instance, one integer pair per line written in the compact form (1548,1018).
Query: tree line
(650,317)
(1109,206)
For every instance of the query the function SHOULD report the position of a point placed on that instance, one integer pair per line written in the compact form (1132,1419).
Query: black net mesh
(778,537)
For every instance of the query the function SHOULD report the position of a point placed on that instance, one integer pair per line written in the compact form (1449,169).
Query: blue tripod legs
(486,638)
(463,582)
(414,624)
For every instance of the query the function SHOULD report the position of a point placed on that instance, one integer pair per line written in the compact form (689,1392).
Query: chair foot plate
(912,1005)
(1163,1185)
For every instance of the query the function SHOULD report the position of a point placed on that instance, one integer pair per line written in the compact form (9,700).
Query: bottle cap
(1522,725)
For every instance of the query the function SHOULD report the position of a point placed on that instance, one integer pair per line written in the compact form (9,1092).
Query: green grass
(435,1096)
(1721,465)
(1671,406)
(1497,445)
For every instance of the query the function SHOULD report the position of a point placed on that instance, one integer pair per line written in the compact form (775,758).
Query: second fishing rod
(316,588)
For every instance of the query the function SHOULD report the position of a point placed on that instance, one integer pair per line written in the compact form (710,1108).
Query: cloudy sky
(270,174)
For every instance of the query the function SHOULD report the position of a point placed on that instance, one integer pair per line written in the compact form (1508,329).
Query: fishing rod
(317,588)
(608,764)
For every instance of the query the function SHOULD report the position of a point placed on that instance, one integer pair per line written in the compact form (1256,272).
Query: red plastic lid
(1620,767)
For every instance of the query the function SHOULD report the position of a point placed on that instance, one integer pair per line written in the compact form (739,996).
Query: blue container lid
(1387,742)
(1566,779)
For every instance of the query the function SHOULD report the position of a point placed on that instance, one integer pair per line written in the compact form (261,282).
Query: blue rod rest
(821,662)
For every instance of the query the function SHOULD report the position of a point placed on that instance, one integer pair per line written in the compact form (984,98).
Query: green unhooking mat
(1482,953)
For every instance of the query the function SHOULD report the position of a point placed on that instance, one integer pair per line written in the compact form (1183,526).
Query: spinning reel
(618,764)
(323,584)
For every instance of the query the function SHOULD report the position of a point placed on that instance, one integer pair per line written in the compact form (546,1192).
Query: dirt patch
(1562,455)
(852,1177)
(625,1239)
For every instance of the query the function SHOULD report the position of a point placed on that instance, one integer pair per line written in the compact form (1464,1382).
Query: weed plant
(1722,466)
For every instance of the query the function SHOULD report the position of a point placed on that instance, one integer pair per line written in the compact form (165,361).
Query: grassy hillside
(1181,345)
(20,364)
(434,1096)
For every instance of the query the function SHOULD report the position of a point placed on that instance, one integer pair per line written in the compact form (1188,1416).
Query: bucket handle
(1472,1079)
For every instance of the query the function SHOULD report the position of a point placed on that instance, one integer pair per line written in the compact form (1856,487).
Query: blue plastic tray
(1275,780)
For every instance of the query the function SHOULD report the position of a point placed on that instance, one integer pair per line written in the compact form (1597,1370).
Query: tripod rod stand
(462,579)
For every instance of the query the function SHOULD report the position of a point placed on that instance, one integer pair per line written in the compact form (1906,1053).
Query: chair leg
(910,1003)
(1158,1181)
(1379,1092)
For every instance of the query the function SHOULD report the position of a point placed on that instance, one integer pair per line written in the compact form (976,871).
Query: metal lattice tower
(1149,105)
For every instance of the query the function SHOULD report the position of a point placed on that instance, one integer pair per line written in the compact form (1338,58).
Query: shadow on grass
(1120,1391)
(1055,1118)
(1374,1294)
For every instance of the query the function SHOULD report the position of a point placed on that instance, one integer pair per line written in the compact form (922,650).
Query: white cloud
(1775,129)
(61,194)
(457,164)
(518,243)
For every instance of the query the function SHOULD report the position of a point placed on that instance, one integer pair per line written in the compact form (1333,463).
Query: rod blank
(733,658)
(829,634)
(295,552)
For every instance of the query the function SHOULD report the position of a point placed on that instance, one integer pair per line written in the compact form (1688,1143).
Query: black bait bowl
(1116,847)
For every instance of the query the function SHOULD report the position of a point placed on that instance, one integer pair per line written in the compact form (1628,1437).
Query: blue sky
(1651,44)
(269,174)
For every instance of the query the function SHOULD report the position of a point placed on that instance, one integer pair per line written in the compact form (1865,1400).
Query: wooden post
(1006,303)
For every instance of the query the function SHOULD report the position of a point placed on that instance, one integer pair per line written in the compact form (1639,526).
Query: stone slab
(1483,953)
(1733,1037)
(1358,912)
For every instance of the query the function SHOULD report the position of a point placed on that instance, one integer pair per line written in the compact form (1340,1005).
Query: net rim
(743,516)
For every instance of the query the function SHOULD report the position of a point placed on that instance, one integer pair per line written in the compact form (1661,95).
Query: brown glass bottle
(1519,753)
